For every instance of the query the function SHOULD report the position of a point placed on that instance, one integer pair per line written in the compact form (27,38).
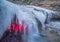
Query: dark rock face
(11,37)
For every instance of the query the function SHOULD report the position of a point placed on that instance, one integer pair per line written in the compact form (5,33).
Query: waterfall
(27,16)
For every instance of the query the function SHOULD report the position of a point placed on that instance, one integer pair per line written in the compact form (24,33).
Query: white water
(27,14)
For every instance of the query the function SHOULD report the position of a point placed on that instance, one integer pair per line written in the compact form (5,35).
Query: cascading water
(26,16)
